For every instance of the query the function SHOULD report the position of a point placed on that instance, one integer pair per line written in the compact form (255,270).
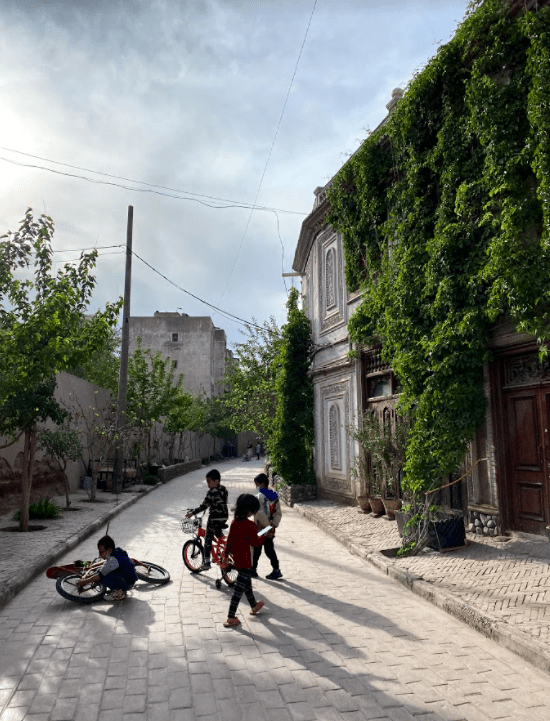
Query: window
(174,337)
(380,386)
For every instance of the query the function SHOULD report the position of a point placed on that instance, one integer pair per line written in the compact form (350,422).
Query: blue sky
(188,95)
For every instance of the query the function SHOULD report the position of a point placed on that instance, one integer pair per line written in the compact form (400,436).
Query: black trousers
(269,549)
(213,528)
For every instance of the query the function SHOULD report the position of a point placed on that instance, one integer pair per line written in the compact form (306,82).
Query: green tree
(178,420)
(291,442)
(102,366)
(41,333)
(249,381)
(151,393)
(64,445)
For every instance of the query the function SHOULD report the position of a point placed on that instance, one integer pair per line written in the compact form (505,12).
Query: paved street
(336,640)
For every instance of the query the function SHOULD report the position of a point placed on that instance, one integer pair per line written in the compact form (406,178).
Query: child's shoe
(274,575)
(116,595)
(206,566)
(231,622)
(257,607)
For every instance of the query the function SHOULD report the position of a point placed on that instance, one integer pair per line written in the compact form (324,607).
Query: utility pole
(123,378)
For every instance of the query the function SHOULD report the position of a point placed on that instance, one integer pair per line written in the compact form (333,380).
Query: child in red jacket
(243,535)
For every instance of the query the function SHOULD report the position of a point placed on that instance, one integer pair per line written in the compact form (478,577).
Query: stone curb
(514,640)
(35,568)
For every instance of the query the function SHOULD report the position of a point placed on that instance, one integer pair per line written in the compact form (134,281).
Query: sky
(193,95)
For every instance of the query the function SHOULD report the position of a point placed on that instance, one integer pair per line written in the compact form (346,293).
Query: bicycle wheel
(193,555)
(67,587)
(229,575)
(151,573)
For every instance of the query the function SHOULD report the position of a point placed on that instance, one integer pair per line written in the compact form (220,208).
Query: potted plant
(422,524)
(383,442)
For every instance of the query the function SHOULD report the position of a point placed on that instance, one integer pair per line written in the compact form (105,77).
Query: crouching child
(118,573)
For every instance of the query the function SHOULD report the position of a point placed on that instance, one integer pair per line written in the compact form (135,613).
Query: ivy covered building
(428,257)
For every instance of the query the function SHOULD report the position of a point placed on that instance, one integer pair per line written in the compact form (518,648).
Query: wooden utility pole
(123,378)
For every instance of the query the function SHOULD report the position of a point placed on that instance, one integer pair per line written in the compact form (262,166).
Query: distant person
(258,449)
(243,536)
(269,514)
(118,572)
(249,451)
(216,501)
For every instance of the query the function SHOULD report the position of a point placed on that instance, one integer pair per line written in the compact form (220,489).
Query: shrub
(44,508)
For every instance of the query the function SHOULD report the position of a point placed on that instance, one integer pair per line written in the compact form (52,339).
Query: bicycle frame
(218,550)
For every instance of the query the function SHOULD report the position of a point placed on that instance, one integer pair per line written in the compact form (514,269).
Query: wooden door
(528,457)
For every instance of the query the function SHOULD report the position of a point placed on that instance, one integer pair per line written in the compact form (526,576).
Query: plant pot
(391,505)
(377,506)
(447,533)
(364,503)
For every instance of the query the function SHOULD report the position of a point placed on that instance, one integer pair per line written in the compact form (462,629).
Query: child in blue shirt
(118,572)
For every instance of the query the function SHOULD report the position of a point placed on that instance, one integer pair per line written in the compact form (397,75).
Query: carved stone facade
(337,393)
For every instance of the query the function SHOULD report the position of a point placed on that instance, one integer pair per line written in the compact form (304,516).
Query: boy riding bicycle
(216,501)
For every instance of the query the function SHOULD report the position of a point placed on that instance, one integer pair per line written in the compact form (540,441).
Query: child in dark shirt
(216,501)
(242,535)
(118,572)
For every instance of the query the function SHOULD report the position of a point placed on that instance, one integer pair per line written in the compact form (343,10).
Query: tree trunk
(67,487)
(29,452)
(93,489)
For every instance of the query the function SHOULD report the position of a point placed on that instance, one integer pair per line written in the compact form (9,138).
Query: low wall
(178,469)
(297,494)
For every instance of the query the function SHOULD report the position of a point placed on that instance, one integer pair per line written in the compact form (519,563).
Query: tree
(102,366)
(178,420)
(96,426)
(249,381)
(64,445)
(41,333)
(291,442)
(151,392)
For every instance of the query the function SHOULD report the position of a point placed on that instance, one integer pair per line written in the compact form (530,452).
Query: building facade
(198,349)
(506,484)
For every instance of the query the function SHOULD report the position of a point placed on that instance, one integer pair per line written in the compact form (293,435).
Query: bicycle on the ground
(68,577)
(193,550)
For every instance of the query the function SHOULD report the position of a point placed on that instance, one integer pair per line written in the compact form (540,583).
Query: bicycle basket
(190,525)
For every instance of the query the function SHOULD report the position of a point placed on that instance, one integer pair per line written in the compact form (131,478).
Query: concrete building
(196,346)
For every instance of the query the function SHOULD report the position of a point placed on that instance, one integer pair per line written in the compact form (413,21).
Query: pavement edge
(516,641)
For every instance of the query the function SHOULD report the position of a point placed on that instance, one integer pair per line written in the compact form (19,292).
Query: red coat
(242,536)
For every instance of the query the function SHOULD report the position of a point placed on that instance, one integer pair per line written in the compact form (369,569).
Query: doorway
(527,450)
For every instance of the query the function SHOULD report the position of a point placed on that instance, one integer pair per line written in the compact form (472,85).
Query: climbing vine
(444,213)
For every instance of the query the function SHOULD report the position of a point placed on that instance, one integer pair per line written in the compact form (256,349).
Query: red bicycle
(193,550)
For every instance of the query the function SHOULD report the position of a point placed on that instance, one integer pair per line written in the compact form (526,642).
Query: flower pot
(391,505)
(364,503)
(377,506)
(448,533)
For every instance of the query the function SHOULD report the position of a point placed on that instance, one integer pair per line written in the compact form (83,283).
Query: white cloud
(188,95)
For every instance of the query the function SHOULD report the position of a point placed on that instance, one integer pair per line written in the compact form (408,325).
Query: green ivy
(445,218)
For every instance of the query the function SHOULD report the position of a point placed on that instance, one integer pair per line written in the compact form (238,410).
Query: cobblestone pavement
(336,640)
(507,581)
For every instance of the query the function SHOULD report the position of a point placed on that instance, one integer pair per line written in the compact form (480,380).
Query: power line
(269,154)
(81,250)
(196,198)
(226,314)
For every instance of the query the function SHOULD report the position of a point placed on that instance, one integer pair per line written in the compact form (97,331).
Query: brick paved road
(337,640)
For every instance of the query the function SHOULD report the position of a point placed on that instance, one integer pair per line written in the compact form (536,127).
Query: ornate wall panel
(335,444)
(331,281)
